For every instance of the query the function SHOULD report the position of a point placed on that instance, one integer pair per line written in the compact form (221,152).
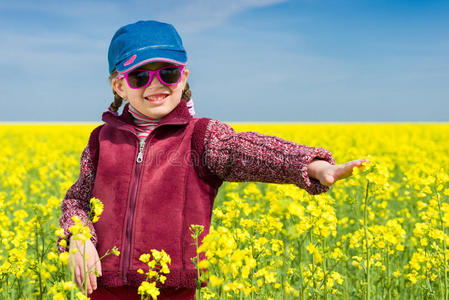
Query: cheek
(177,91)
(134,93)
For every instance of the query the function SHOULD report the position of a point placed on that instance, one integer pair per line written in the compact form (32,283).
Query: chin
(159,113)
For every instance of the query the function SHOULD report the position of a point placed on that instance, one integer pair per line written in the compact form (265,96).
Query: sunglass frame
(150,77)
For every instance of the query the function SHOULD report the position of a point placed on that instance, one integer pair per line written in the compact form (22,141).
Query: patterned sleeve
(77,199)
(251,156)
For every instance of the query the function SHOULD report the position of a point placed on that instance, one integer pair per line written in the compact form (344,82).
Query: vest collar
(178,116)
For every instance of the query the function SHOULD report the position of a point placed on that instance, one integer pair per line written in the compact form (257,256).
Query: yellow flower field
(380,234)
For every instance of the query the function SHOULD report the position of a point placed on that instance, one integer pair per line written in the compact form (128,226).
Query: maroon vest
(151,204)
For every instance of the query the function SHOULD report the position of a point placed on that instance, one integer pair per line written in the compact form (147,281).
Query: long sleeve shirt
(232,156)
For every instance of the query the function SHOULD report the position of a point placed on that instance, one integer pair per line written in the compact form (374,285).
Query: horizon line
(234,122)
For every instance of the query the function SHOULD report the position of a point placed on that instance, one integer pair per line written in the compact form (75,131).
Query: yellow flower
(337,277)
(52,256)
(115,251)
(215,281)
(203,264)
(63,243)
(165,269)
(77,226)
(162,279)
(156,254)
(145,258)
(69,285)
(81,296)
(152,264)
(152,274)
(446,192)
(97,208)
(59,296)
(148,289)
(311,248)
(60,232)
(64,257)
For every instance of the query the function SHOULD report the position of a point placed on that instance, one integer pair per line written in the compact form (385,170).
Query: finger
(78,278)
(363,161)
(86,281)
(344,171)
(72,261)
(89,285)
(93,280)
(98,266)
(97,263)
(354,163)
(81,276)
(329,179)
(92,283)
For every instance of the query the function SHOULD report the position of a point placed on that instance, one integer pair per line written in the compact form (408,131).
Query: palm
(338,172)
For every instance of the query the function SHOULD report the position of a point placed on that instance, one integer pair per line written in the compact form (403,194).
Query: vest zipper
(126,254)
(133,196)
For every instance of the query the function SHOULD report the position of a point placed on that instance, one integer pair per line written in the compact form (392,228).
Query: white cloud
(199,15)
(81,9)
(48,48)
(88,26)
(187,16)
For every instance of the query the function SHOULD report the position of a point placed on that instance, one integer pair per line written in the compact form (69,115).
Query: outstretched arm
(251,156)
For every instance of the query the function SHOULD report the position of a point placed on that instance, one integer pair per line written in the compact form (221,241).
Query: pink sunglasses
(168,75)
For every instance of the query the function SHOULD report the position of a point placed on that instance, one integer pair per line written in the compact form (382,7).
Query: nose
(155,81)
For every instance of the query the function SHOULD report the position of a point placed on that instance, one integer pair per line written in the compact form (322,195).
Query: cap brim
(152,55)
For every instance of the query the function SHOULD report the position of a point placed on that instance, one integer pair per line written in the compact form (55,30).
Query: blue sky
(249,60)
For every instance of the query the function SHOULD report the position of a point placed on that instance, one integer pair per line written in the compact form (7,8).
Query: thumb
(328,180)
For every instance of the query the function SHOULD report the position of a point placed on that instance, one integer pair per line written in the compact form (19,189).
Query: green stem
(346,282)
(323,247)
(313,266)
(85,269)
(388,274)
(197,268)
(93,265)
(72,292)
(301,279)
(367,257)
(284,271)
(37,255)
(440,212)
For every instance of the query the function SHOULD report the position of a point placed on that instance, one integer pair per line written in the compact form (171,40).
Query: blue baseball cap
(140,43)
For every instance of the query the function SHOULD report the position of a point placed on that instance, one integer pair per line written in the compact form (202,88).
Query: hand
(328,174)
(91,258)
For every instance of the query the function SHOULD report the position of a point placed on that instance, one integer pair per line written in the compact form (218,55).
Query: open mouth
(156,98)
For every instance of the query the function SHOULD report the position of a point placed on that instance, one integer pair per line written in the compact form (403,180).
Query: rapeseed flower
(407,216)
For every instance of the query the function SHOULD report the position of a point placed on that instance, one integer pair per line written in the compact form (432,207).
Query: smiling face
(156,100)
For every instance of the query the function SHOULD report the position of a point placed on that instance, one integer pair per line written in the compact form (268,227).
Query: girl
(157,170)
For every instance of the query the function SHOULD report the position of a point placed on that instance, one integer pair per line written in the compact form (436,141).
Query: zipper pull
(140,155)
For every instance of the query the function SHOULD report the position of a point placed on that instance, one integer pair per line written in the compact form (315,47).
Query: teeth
(157,97)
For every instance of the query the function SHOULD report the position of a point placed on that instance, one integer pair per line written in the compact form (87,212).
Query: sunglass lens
(170,75)
(138,79)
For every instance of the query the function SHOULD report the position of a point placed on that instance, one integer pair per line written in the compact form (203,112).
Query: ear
(185,76)
(118,86)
